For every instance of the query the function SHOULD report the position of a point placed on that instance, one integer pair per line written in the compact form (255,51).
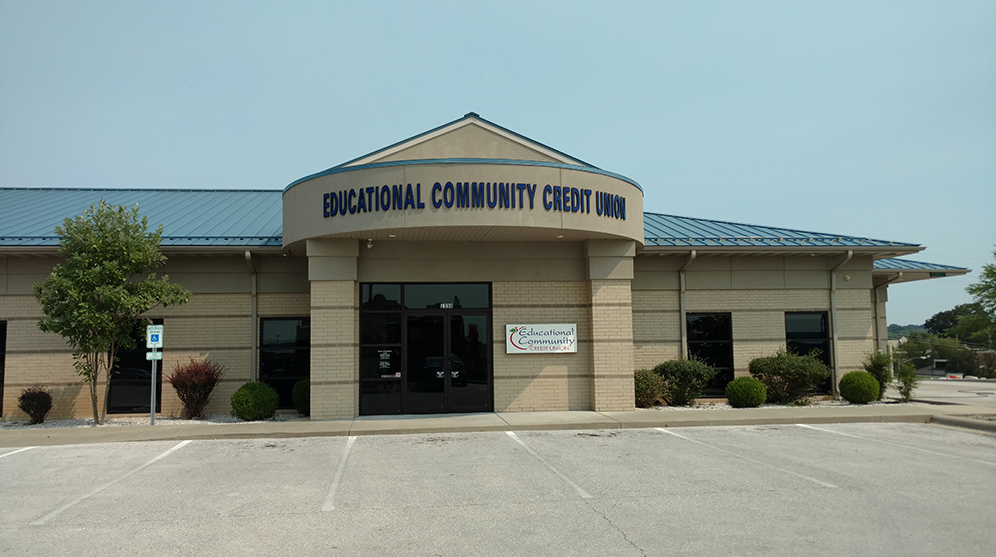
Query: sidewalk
(947,414)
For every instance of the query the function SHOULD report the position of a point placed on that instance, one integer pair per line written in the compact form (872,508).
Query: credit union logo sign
(560,338)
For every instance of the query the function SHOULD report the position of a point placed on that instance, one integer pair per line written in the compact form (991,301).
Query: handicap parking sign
(154,336)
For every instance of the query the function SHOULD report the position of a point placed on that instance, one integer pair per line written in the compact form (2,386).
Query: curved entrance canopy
(469,180)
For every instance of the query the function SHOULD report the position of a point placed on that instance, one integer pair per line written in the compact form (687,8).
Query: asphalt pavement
(883,489)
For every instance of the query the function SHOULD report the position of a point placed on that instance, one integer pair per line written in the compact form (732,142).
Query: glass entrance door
(427,365)
(447,363)
(425,348)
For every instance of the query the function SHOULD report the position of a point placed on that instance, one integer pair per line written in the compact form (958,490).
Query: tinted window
(131,382)
(377,297)
(710,339)
(806,332)
(447,296)
(284,355)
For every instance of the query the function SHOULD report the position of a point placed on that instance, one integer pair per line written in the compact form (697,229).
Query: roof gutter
(833,321)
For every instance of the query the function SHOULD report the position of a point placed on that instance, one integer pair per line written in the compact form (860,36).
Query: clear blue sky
(867,118)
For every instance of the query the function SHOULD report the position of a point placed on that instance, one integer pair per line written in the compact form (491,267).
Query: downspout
(833,321)
(681,305)
(253,372)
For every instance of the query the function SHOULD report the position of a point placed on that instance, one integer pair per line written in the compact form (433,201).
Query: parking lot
(861,489)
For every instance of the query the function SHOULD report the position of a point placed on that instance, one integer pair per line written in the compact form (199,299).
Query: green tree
(980,328)
(940,323)
(104,284)
(984,291)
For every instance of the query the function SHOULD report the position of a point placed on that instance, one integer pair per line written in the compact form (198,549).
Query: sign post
(153,340)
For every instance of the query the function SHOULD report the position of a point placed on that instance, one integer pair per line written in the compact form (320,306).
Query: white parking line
(584,494)
(747,458)
(897,445)
(337,479)
(17,451)
(69,505)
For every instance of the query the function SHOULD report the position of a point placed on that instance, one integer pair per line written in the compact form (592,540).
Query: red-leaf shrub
(194,382)
(35,402)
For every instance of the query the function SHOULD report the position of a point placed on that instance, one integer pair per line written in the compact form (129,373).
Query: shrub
(649,387)
(788,377)
(194,382)
(36,403)
(859,387)
(684,380)
(255,401)
(301,397)
(746,392)
(879,365)
(987,368)
(908,380)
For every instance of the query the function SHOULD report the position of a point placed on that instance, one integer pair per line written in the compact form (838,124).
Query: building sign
(488,196)
(541,339)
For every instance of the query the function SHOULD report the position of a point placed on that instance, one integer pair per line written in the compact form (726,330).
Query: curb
(966,423)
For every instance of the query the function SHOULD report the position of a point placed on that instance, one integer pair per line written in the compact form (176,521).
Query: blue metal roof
(28,216)
(673,231)
(908,265)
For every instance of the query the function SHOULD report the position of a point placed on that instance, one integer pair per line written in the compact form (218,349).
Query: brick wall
(334,349)
(758,316)
(524,383)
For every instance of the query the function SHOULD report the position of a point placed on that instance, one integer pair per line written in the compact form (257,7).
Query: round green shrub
(255,401)
(684,380)
(746,392)
(301,397)
(649,387)
(859,387)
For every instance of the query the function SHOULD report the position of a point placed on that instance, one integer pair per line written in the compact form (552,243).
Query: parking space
(884,489)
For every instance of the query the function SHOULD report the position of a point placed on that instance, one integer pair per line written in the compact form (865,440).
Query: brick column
(610,273)
(334,329)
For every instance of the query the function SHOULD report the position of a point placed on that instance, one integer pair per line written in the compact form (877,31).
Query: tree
(942,321)
(980,328)
(95,296)
(984,291)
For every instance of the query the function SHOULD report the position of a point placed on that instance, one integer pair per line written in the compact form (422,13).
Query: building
(466,269)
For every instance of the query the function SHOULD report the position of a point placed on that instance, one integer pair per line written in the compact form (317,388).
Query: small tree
(908,380)
(105,283)
(879,365)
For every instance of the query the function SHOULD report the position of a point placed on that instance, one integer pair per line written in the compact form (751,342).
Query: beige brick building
(466,269)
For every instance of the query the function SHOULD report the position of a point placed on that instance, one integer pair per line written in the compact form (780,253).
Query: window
(131,386)
(710,339)
(284,354)
(807,332)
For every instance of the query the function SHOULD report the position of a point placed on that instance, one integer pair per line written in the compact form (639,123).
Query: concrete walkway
(947,414)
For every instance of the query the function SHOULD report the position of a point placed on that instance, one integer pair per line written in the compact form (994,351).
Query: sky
(870,118)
